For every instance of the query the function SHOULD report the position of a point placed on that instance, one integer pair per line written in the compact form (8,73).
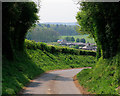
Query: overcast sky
(58,11)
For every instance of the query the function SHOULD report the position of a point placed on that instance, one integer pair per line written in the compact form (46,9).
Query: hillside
(39,58)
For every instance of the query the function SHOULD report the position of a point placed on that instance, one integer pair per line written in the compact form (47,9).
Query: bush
(88,53)
(82,40)
(72,39)
(68,38)
(77,46)
(77,40)
(30,44)
(53,50)
(43,46)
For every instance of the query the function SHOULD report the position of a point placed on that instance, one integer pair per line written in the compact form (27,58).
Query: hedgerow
(55,49)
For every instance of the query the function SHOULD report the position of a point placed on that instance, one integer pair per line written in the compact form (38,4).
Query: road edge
(32,80)
(81,88)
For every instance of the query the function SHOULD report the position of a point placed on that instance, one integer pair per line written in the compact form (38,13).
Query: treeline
(72,39)
(63,30)
(43,34)
(50,32)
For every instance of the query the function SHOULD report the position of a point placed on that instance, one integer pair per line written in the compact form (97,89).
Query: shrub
(53,49)
(77,40)
(72,39)
(82,40)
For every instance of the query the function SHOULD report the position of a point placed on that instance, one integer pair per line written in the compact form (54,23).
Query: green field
(90,40)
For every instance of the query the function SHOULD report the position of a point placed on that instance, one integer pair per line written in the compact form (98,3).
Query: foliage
(42,46)
(42,34)
(72,39)
(68,38)
(38,58)
(83,40)
(18,17)
(101,21)
(86,37)
(77,46)
(77,40)
(50,32)
(63,30)
(103,78)
(16,74)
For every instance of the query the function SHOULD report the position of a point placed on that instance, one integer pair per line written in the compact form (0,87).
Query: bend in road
(55,82)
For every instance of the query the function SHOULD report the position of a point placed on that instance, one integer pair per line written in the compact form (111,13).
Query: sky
(58,11)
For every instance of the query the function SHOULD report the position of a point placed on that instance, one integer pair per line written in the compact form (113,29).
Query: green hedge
(30,44)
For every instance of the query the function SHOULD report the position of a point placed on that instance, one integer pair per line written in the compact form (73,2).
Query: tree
(43,34)
(101,21)
(77,46)
(83,40)
(77,40)
(72,39)
(64,30)
(18,17)
(68,39)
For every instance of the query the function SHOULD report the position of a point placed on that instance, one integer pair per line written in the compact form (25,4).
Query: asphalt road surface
(55,82)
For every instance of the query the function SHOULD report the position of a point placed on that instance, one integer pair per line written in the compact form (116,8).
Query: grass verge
(103,78)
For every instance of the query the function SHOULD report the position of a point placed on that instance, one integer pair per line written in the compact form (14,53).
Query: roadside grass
(16,74)
(47,61)
(90,40)
(103,78)
(36,59)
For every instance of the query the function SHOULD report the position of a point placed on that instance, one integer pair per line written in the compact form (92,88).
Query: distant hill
(61,23)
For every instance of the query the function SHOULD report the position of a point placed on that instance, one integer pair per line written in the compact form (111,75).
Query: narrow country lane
(55,82)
